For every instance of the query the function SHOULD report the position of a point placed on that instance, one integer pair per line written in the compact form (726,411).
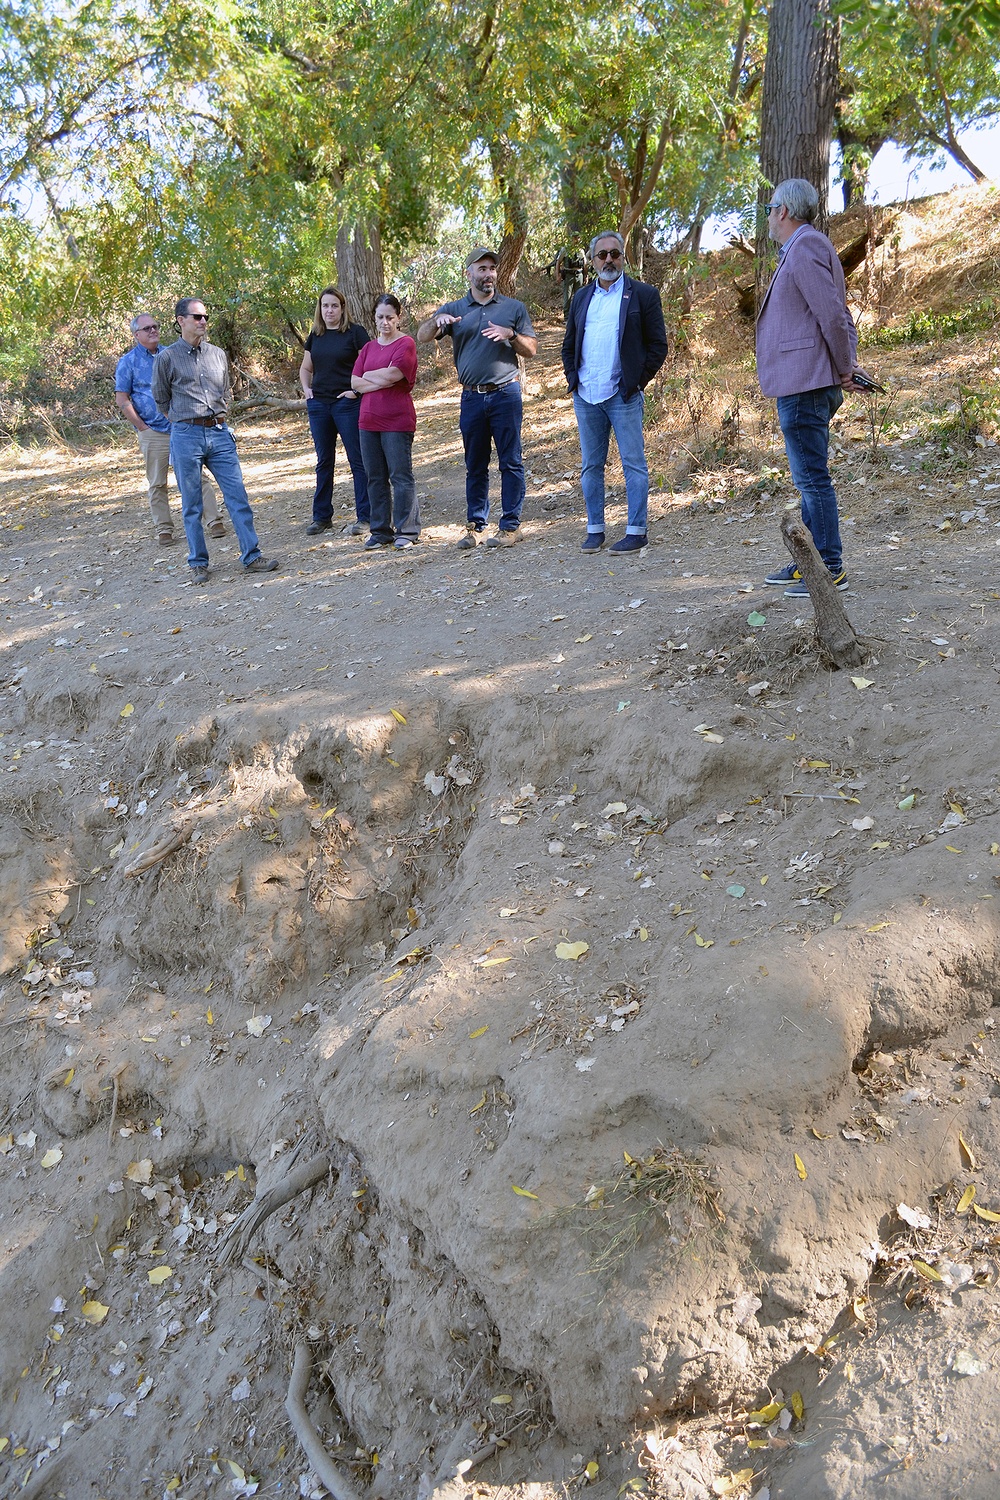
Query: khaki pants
(155,448)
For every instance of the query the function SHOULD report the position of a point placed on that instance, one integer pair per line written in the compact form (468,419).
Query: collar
(791,240)
(474,302)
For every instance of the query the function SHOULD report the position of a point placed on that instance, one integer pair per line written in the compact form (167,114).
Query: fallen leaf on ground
(755,618)
(986,1213)
(399,718)
(52,1158)
(481,1032)
(140,1171)
(572,951)
(966,1153)
(523,1192)
(94,1312)
(915,1217)
(800,1167)
(862,682)
(158,1275)
(965,1202)
(257,1025)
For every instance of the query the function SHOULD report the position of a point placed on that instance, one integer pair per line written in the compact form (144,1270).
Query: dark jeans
(327,420)
(392,492)
(805,426)
(486,419)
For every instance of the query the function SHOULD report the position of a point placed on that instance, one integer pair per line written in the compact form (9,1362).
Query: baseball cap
(481,252)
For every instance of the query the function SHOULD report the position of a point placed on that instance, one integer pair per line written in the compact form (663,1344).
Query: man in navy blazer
(615,342)
(806,357)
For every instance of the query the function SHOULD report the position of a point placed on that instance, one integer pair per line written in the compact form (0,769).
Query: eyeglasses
(607,255)
(149,328)
(766,208)
(198,317)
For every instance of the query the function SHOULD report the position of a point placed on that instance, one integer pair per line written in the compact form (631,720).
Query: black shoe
(630,542)
(374,542)
(316,527)
(261,565)
(798,590)
(593,541)
(199,575)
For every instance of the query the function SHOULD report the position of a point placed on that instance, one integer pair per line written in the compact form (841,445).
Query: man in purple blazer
(806,357)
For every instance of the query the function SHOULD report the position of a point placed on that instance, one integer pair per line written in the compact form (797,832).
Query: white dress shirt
(600,362)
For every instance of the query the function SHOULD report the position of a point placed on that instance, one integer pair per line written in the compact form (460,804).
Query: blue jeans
(485,419)
(327,421)
(596,422)
(193,449)
(805,426)
(392,491)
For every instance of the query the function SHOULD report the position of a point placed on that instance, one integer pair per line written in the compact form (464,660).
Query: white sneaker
(403,541)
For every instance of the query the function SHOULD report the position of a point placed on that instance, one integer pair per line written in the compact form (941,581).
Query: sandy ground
(629,975)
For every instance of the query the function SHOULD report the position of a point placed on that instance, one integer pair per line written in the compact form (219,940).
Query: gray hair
(606,234)
(134,325)
(799,197)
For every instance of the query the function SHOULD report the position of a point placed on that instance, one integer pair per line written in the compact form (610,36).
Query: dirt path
(628,970)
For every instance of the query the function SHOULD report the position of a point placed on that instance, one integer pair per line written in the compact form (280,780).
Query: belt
(212,421)
(487,390)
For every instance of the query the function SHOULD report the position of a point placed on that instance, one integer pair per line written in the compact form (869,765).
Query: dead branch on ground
(836,634)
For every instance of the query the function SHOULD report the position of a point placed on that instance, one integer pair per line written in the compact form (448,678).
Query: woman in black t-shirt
(325,376)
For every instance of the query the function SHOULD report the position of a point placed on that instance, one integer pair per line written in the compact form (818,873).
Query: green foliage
(921,326)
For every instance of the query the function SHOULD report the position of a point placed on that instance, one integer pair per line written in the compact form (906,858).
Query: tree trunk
(505,167)
(799,97)
(360,272)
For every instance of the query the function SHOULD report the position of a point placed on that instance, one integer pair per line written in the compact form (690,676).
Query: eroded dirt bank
(580,1205)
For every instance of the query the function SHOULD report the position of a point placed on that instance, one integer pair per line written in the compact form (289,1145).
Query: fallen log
(837,636)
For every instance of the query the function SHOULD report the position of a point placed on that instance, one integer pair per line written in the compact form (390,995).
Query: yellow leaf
(241,1172)
(703,942)
(966,1153)
(800,1167)
(861,683)
(481,1032)
(878,927)
(477,1107)
(926,1270)
(523,1192)
(728,1484)
(501,1400)
(173,1484)
(4,1443)
(572,951)
(965,1202)
(69,1078)
(643,935)
(158,1275)
(591,1471)
(52,1158)
(837,916)
(986,1213)
(399,718)
(272,812)
(629,1160)
(766,1414)
(236,1471)
(94,1312)
(581,638)
(128,709)
(140,1171)
(490,962)
(952,850)
(209,1017)
(798,1405)
(819,1134)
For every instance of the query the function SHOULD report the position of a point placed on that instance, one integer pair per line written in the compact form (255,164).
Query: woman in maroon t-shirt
(384,374)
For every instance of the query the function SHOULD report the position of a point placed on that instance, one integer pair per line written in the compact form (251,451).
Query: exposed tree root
(836,634)
(236,1240)
(310,1440)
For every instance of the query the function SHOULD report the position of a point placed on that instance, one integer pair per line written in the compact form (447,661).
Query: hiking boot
(470,539)
(217,528)
(199,575)
(261,565)
(504,539)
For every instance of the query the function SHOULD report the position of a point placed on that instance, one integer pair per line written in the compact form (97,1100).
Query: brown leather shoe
(164,537)
(217,528)
(469,540)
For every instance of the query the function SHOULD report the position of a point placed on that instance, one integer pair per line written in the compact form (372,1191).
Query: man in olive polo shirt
(488,332)
(191,388)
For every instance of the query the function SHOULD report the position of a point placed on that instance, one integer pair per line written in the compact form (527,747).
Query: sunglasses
(766,208)
(198,317)
(149,328)
(608,255)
